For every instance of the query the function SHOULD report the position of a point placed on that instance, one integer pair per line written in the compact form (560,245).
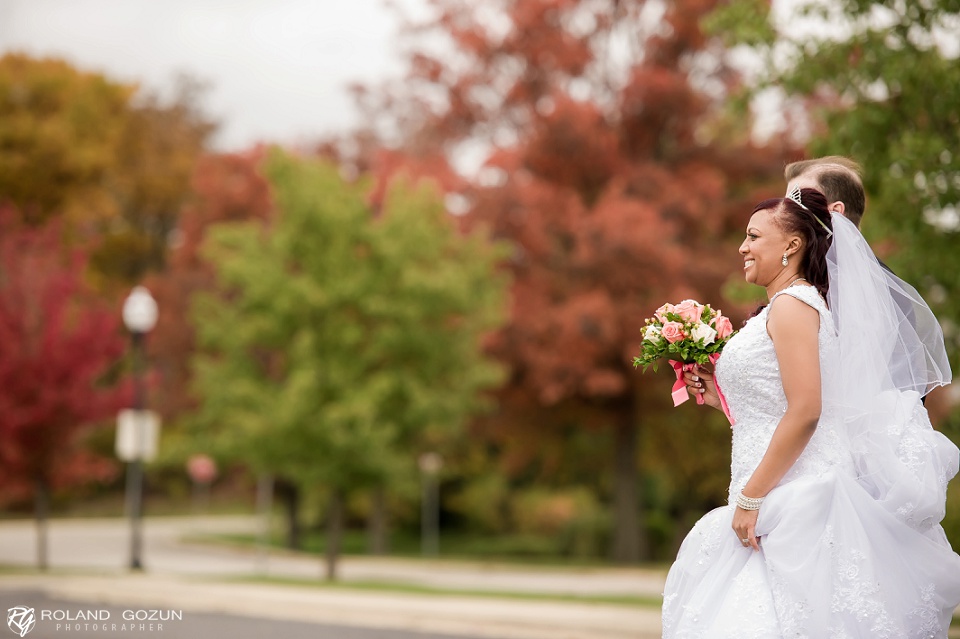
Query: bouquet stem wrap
(680,394)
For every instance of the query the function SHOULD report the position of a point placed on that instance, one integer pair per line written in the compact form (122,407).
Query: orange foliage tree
(609,162)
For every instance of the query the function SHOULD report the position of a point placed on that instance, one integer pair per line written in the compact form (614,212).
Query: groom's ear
(837,207)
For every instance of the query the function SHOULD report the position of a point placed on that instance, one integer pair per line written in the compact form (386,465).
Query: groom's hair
(840,180)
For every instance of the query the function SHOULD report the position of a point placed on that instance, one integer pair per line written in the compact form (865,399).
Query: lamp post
(430,465)
(139,316)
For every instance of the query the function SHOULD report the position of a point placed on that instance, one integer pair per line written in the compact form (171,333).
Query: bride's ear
(795,245)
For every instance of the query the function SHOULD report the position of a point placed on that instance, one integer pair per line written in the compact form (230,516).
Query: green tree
(345,343)
(880,85)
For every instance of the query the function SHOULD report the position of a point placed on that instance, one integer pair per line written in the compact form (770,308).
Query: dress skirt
(833,564)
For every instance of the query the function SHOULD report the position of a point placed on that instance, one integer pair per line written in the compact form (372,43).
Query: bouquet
(687,333)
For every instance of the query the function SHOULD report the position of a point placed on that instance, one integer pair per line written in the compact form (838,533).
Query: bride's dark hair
(812,222)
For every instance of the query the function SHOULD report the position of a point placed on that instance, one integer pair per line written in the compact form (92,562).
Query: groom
(837,177)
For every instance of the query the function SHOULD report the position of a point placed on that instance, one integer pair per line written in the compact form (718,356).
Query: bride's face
(763,248)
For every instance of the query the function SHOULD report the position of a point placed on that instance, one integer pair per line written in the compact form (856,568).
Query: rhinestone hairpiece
(825,227)
(795,196)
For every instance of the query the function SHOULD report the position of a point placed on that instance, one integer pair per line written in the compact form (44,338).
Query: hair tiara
(795,196)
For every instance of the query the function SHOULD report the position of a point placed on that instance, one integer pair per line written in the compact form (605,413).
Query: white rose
(651,334)
(703,331)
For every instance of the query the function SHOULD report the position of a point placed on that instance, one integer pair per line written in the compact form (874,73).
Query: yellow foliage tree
(110,160)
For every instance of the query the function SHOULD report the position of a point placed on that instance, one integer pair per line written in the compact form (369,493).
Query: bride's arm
(793,326)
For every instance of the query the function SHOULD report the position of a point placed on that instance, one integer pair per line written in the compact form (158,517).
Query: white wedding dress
(835,560)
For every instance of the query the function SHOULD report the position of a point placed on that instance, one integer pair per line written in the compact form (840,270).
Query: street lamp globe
(430,463)
(140,311)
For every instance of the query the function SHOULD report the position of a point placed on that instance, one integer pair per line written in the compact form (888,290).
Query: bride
(838,481)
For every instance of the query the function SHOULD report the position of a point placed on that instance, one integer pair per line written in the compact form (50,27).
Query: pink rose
(672,332)
(661,313)
(689,310)
(724,327)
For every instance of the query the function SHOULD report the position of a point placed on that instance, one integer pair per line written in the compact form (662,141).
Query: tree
(111,160)
(343,341)
(59,347)
(865,85)
(59,127)
(225,188)
(612,170)
(155,162)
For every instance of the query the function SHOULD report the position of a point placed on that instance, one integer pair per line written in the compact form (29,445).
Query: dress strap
(809,295)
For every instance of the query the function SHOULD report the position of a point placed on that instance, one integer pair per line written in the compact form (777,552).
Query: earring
(784,260)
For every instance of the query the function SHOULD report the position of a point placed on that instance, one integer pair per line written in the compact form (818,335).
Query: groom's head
(837,177)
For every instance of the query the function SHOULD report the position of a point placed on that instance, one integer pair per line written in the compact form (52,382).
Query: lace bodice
(748,374)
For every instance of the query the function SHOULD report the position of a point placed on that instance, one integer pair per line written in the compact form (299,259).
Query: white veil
(891,354)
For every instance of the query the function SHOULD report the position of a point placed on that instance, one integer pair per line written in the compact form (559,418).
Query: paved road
(88,557)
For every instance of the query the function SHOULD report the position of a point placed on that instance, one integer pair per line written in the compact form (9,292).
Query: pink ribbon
(680,394)
(723,400)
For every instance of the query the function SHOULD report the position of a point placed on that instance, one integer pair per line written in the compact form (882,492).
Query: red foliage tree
(611,167)
(59,346)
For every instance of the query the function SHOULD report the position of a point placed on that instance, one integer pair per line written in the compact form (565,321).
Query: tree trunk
(629,543)
(378,541)
(334,533)
(41,509)
(289,494)
(264,512)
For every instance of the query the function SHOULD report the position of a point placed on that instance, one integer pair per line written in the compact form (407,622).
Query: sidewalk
(196,577)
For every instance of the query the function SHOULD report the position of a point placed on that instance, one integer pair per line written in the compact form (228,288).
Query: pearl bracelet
(749,503)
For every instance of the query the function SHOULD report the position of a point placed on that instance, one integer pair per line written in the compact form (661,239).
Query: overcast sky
(277,69)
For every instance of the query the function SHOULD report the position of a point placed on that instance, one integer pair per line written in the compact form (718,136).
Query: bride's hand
(699,381)
(745,525)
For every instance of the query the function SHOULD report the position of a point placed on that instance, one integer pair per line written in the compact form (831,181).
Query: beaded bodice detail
(748,374)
